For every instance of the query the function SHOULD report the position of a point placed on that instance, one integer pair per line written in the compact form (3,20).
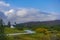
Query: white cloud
(4,4)
(9,12)
(22,12)
(31,14)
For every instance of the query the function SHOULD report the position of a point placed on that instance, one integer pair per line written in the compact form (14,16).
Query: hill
(35,24)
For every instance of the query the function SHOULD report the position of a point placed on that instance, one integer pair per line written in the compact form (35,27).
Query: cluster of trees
(2,27)
(2,34)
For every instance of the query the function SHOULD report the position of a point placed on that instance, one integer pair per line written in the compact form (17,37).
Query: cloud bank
(20,15)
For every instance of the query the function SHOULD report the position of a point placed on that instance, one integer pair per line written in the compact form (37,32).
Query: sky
(30,10)
(44,5)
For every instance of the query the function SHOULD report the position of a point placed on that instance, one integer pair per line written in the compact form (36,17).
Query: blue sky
(43,5)
(30,10)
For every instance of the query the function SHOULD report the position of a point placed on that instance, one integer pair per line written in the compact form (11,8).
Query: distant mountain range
(38,23)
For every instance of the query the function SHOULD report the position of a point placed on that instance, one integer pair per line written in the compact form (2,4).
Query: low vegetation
(42,32)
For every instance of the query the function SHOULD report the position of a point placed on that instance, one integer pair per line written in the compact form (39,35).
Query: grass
(40,35)
(12,30)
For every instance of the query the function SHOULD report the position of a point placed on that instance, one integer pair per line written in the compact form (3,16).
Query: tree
(15,23)
(1,22)
(2,35)
(9,24)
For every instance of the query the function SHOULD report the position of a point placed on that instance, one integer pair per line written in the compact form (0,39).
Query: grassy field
(41,34)
(12,30)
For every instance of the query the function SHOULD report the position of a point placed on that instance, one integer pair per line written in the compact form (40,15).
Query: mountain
(38,23)
(54,22)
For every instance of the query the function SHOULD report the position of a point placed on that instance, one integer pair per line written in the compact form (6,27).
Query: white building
(11,26)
